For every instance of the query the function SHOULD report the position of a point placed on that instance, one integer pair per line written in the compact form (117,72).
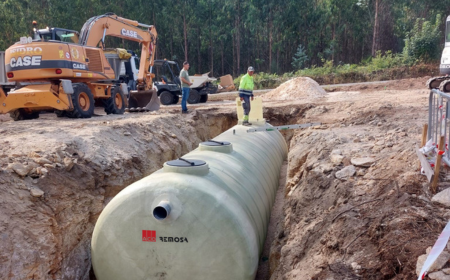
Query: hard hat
(250,69)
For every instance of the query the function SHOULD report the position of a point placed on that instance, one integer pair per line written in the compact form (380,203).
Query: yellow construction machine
(68,72)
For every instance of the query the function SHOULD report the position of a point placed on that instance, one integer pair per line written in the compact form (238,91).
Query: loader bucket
(143,100)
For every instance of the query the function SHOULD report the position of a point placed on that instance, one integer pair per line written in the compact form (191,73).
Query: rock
(355,266)
(336,152)
(33,155)
(36,192)
(20,169)
(360,172)
(345,173)
(439,275)
(44,171)
(42,161)
(346,161)
(380,143)
(336,159)
(371,138)
(33,173)
(420,261)
(362,162)
(127,133)
(421,197)
(68,163)
(438,264)
(446,271)
(324,168)
(442,197)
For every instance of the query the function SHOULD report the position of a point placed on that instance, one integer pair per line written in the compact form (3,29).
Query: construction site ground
(333,219)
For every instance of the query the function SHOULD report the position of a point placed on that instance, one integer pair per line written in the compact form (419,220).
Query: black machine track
(436,82)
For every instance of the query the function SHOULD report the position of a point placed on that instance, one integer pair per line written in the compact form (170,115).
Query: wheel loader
(168,84)
(68,72)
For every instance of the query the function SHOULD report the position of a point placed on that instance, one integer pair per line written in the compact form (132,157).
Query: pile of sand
(295,89)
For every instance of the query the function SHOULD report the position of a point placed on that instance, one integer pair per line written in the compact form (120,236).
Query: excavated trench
(57,176)
(331,220)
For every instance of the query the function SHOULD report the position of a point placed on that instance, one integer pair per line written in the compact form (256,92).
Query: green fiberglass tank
(203,216)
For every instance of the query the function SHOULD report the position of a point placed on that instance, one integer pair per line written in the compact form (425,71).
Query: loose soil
(371,225)
(296,89)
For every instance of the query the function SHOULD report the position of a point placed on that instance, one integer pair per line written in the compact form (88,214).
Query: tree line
(229,35)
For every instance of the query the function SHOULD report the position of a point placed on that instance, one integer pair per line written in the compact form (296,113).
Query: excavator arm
(96,28)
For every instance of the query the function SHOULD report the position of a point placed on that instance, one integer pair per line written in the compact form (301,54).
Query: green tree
(422,43)
(300,58)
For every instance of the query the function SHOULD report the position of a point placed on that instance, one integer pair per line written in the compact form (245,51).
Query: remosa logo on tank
(150,236)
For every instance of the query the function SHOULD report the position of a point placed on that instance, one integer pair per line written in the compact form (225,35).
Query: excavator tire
(166,98)
(116,104)
(203,98)
(445,86)
(176,98)
(22,114)
(83,102)
(194,97)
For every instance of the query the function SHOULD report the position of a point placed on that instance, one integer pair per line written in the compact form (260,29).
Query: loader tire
(116,104)
(166,98)
(203,98)
(194,97)
(22,114)
(83,102)
(176,98)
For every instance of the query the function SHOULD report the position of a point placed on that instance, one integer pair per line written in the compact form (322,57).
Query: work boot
(246,123)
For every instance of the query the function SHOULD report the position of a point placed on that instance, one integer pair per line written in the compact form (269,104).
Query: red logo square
(149,235)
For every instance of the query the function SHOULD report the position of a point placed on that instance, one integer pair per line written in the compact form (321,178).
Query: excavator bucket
(144,100)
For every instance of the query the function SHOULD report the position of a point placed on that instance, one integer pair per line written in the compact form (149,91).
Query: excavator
(68,72)
(443,82)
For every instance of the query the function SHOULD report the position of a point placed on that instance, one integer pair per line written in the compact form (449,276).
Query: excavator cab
(57,34)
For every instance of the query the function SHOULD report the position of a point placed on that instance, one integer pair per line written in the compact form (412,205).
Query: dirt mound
(298,88)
